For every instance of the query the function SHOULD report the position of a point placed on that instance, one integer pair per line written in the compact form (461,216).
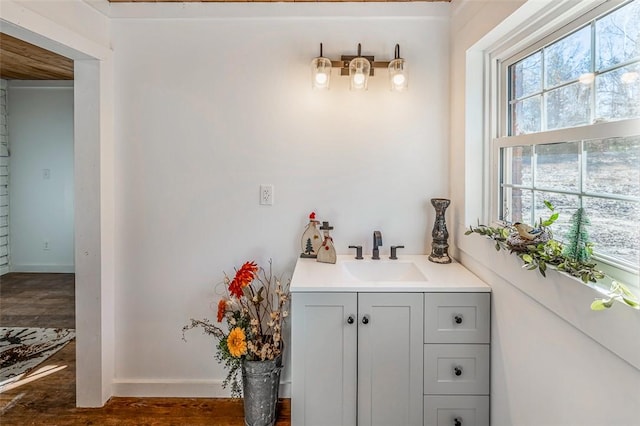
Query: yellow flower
(237,343)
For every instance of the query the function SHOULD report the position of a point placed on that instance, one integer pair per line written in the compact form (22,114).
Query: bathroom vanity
(389,342)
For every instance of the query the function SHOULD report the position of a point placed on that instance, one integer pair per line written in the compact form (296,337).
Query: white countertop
(312,276)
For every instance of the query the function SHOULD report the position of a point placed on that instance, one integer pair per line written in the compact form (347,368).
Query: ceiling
(20,60)
(268,1)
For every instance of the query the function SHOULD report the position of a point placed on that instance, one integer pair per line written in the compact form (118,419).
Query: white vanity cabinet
(389,343)
(357,358)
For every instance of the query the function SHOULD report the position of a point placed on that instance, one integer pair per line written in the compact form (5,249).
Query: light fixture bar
(346,60)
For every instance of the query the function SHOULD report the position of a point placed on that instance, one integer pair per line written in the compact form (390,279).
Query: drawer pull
(457,371)
(350,320)
(458,319)
(365,319)
(457,421)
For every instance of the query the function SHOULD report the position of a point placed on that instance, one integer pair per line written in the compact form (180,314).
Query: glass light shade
(359,69)
(320,73)
(398,78)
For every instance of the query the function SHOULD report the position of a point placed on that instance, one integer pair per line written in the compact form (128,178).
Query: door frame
(94,194)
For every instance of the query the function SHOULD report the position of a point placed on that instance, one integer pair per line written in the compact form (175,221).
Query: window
(569,131)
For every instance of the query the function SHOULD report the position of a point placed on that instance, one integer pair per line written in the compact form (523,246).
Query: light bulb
(586,78)
(321,78)
(358,78)
(629,77)
(398,79)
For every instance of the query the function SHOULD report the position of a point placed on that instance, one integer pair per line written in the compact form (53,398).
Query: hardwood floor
(48,300)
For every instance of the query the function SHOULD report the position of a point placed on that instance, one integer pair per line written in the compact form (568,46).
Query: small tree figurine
(577,246)
(309,248)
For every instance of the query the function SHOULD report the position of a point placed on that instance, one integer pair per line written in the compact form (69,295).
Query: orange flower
(222,308)
(243,278)
(237,342)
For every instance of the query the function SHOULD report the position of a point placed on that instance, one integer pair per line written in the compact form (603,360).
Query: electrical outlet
(266,195)
(45,245)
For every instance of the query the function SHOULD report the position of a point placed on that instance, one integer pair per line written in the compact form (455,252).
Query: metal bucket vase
(260,383)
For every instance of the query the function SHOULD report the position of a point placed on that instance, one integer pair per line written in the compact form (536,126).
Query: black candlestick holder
(439,245)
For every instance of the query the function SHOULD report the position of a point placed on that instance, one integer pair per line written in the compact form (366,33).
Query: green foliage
(578,247)
(553,254)
(620,292)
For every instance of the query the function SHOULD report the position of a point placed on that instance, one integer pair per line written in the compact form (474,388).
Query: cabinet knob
(365,319)
(458,319)
(457,421)
(350,320)
(457,371)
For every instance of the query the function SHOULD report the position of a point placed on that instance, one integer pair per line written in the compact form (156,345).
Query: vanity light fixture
(398,72)
(321,72)
(359,68)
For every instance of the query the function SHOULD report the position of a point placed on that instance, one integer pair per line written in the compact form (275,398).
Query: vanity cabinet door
(390,359)
(324,359)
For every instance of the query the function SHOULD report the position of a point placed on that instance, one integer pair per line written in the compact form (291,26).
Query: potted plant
(254,309)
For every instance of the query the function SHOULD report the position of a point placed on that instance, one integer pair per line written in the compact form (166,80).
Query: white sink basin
(383,271)
(409,273)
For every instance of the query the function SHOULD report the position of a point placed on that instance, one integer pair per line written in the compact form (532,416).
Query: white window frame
(510,52)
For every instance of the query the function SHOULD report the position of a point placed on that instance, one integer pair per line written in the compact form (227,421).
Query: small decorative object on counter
(311,238)
(440,246)
(327,252)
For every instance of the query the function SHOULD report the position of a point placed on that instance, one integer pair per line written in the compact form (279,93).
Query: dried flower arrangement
(254,308)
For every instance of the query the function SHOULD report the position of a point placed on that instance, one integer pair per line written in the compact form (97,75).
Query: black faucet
(377,242)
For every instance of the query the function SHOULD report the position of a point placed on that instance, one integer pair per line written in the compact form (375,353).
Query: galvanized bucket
(260,383)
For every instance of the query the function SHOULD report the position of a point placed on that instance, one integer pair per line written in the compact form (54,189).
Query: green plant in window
(578,247)
(618,291)
(572,259)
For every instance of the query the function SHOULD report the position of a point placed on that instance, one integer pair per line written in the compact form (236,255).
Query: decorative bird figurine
(527,232)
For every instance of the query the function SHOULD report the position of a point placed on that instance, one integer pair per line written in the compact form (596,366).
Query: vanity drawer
(457,317)
(456,410)
(456,369)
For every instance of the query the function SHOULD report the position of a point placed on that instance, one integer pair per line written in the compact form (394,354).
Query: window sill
(561,294)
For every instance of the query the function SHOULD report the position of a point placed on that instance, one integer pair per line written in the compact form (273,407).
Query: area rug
(23,348)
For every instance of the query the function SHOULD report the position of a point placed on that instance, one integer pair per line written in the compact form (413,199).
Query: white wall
(207,109)
(41,209)
(547,367)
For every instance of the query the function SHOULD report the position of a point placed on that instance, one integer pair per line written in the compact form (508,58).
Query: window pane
(567,59)
(526,76)
(557,166)
(618,93)
(517,168)
(526,116)
(615,228)
(568,106)
(617,36)
(564,204)
(613,166)
(517,205)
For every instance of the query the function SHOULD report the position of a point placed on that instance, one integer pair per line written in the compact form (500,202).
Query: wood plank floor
(47,300)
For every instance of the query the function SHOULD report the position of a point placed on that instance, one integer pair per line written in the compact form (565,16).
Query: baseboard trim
(52,269)
(4,270)
(179,388)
